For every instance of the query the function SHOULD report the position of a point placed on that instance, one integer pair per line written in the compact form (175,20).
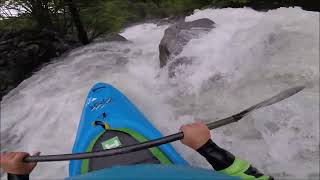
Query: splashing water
(248,57)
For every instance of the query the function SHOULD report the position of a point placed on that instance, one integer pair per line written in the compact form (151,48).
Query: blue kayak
(154,172)
(110,120)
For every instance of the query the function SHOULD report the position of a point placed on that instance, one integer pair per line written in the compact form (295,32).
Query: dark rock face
(23,52)
(111,37)
(178,35)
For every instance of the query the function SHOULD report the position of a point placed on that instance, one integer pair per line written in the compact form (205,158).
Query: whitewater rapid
(248,57)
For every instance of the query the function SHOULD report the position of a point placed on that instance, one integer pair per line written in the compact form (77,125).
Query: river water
(248,57)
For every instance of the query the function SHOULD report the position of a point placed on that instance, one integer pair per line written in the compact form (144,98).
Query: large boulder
(178,35)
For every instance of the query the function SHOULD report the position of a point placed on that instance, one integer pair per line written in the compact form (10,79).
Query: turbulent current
(249,56)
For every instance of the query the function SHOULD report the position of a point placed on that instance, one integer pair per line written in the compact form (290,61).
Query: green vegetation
(91,18)
(88,19)
(34,31)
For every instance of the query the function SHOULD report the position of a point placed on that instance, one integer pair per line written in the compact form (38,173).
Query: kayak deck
(125,124)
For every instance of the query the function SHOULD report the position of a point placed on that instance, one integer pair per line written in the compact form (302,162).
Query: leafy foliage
(103,16)
(99,17)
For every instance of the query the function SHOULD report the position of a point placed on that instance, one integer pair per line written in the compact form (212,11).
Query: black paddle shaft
(121,150)
(167,139)
(125,149)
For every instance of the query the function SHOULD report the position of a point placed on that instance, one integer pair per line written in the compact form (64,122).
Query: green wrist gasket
(238,168)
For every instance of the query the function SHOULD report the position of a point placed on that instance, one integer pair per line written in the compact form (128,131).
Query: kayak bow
(167,139)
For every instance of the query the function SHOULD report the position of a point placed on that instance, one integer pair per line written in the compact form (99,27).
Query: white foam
(248,57)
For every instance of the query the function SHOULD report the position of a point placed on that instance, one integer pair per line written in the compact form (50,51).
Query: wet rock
(111,37)
(169,20)
(22,52)
(178,35)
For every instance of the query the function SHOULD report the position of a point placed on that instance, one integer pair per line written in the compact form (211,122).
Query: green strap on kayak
(85,162)
(238,168)
(156,152)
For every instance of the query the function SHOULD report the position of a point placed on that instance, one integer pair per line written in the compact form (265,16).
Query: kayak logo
(95,104)
(111,143)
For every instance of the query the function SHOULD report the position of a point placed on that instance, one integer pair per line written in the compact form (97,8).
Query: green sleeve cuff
(238,168)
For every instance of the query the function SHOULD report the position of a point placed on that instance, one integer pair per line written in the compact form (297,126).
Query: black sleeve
(18,177)
(226,163)
(218,158)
